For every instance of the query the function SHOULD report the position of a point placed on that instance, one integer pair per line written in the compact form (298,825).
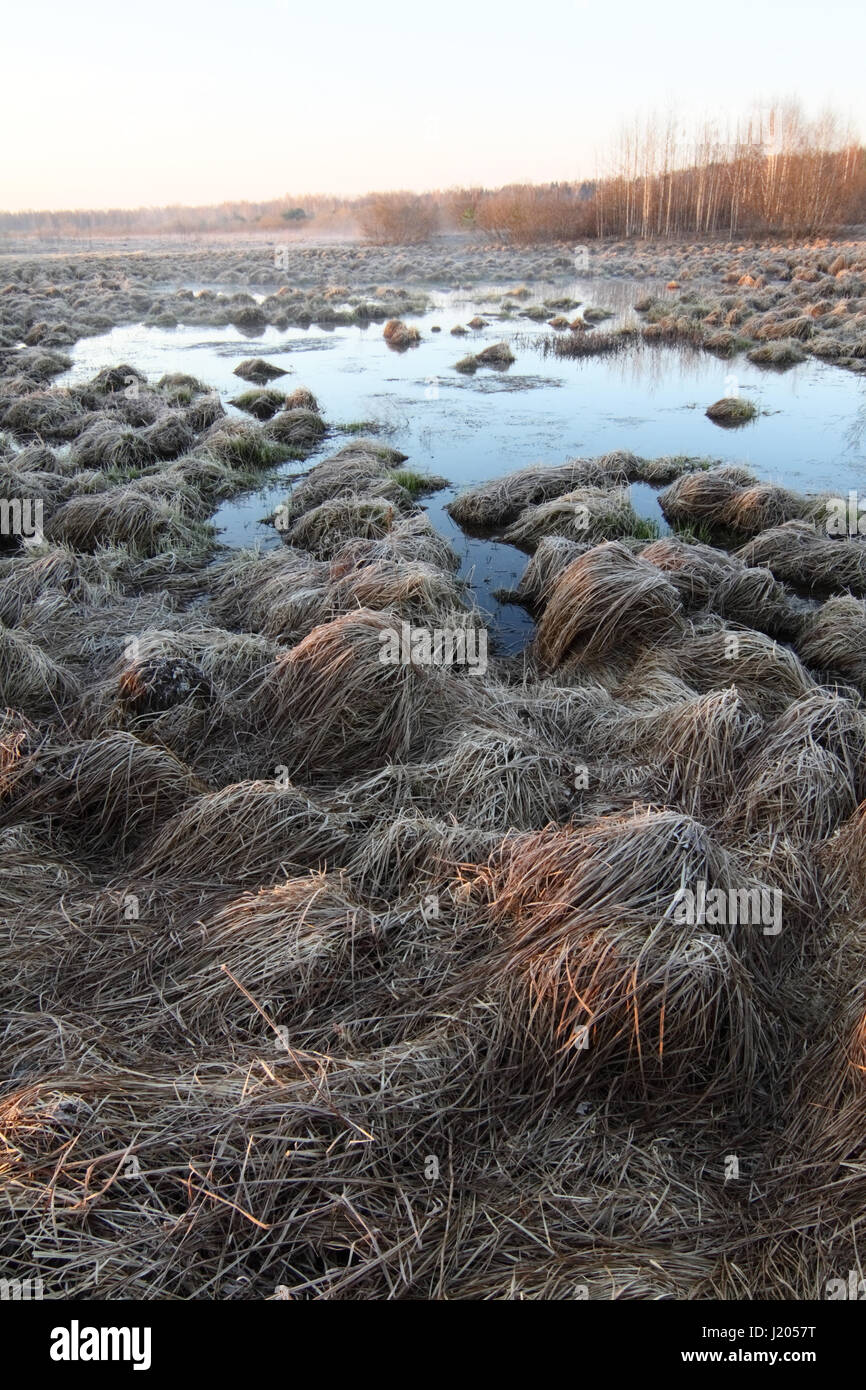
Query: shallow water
(810,435)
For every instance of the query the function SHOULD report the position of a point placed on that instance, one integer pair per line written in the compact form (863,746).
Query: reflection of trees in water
(636,360)
(655,363)
(608,292)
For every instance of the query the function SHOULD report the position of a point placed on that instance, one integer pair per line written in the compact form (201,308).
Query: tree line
(775,173)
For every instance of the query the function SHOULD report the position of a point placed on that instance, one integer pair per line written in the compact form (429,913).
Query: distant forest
(776,174)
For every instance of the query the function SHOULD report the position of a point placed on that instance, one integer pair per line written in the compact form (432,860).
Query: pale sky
(182,101)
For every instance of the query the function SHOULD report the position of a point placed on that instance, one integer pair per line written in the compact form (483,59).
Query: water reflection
(811,433)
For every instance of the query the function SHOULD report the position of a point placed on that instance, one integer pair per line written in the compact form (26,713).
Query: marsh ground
(361,979)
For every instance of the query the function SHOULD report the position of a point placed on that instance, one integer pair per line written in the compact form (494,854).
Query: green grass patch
(417,484)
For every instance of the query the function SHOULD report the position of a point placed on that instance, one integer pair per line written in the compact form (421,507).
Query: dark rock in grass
(159,683)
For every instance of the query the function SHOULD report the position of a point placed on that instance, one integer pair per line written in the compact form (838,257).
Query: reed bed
(579,343)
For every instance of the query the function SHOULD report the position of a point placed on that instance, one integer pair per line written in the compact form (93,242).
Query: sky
(105,104)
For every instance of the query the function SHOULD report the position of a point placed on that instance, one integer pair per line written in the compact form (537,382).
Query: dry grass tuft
(605,599)
(302,399)
(106,794)
(344,708)
(586,514)
(553,555)
(297,429)
(798,554)
(833,639)
(30,678)
(400,335)
(294,948)
(732,411)
(703,497)
(764,505)
(809,772)
(126,515)
(596,985)
(257,370)
(261,404)
(710,656)
(325,529)
(106,445)
(695,744)
(246,833)
(501,500)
